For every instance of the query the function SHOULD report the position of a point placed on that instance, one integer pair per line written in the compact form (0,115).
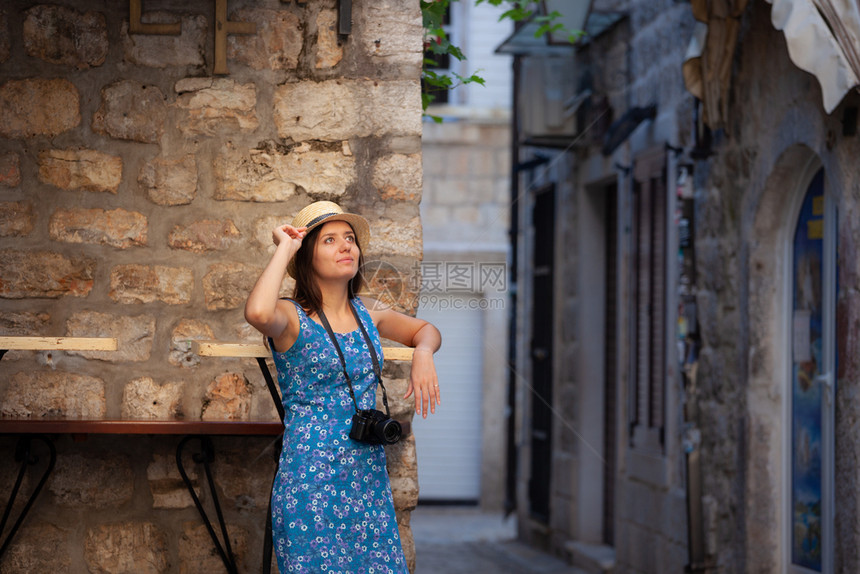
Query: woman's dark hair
(307,292)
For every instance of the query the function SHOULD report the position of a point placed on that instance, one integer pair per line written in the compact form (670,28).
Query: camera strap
(377,371)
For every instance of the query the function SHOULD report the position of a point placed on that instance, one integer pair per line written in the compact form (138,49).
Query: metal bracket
(344,17)
(24,455)
(206,456)
(267,541)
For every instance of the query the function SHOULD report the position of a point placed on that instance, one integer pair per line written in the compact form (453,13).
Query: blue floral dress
(332,509)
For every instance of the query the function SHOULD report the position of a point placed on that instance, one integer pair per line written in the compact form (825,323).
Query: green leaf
(516,14)
(456,52)
(547,28)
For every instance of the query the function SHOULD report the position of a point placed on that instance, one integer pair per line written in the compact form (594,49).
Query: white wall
(477,31)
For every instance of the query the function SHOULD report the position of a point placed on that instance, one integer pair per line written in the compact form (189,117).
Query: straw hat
(321,212)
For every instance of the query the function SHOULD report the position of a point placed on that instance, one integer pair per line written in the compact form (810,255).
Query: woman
(332,509)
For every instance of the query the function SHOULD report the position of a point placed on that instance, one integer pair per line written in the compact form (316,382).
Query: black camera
(374,427)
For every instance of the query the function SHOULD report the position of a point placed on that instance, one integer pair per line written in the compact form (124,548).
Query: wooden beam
(58,343)
(222,28)
(253,350)
(135,26)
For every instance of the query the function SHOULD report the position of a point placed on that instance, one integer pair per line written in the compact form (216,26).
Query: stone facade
(137,196)
(724,409)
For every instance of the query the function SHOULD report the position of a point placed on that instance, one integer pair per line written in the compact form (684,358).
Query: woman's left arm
(425,339)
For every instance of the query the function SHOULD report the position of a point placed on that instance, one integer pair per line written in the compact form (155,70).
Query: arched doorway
(791,358)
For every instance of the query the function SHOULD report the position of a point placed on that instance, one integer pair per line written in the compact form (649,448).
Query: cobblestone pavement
(461,540)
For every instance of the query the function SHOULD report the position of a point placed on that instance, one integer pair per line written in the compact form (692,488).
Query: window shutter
(649,268)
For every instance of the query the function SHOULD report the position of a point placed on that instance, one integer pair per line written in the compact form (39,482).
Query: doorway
(542,321)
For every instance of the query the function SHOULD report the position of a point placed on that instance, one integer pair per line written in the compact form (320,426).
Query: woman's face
(336,251)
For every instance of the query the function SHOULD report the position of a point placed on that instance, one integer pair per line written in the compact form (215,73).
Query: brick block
(64,36)
(274,174)
(276,45)
(22,324)
(16,218)
(228,397)
(390,32)
(134,335)
(83,169)
(118,228)
(204,235)
(337,110)
(243,474)
(92,481)
(399,177)
(210,106)
(40,393)
(170,181)
(181,342)
(10,170)
(38,106)
(127,547)
(392,237)
(26,274)
(226,285)
(143,398)
(149,283)
(165,483)
(131,111)
(329,51)
(196,555)
(27,551)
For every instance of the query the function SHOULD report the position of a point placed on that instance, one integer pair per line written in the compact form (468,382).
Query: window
(649,309)
(814,284)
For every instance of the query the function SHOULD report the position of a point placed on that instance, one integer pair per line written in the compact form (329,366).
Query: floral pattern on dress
(332,509)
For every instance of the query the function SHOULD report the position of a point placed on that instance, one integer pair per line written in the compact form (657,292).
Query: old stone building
(687,286)
(144,160)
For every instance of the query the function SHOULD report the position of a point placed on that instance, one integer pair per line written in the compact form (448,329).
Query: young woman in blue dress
(332,509)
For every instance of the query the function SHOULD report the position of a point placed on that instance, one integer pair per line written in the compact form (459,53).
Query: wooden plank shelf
(58,343)
(258,350)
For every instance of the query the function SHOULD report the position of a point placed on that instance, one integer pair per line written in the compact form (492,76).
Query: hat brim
(359,225)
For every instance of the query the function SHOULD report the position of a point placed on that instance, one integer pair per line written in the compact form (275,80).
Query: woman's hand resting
(423,383)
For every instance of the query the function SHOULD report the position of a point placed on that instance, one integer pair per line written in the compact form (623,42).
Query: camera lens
(391,431)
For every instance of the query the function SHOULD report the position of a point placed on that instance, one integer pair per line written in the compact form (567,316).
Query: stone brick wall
(467,189)
(743,220)
(137,195)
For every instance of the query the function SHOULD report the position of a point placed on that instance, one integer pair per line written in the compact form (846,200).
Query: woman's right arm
(262,309)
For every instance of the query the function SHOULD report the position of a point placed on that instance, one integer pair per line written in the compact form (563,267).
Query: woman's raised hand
(290,234)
